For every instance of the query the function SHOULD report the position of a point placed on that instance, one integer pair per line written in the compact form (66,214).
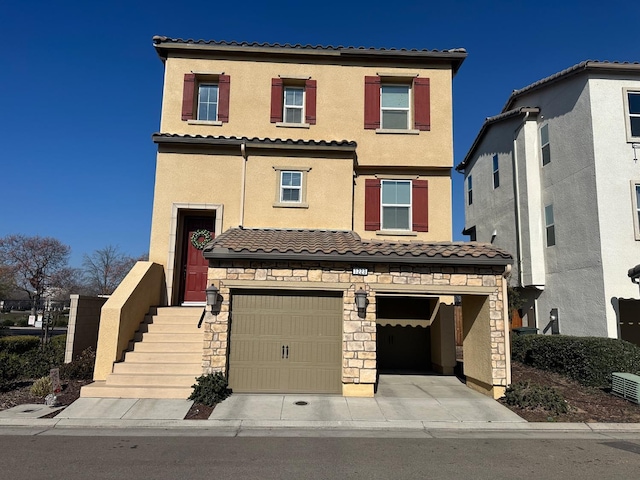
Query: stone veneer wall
(359,334)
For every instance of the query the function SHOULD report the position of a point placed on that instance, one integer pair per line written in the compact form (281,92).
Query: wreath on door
(200,238)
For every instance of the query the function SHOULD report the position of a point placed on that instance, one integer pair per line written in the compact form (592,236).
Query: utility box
(626,385)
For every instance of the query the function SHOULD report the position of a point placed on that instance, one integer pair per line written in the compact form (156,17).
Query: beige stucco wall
(121,315)
(340,108)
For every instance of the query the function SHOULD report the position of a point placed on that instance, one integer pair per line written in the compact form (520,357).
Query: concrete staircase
(163,360)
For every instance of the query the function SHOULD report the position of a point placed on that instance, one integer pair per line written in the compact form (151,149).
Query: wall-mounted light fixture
(212,297)
(361,301)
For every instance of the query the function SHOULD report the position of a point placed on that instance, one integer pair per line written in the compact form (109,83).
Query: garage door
(286,342)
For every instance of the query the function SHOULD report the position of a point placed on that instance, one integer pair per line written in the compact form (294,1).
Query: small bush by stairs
(163,360)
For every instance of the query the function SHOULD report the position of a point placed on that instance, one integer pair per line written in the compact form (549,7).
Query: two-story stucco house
(298,180)
(554,178)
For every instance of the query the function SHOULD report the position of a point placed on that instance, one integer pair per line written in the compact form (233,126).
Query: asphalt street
(174,457)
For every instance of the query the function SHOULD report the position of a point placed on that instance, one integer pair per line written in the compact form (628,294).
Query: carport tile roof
(236,242)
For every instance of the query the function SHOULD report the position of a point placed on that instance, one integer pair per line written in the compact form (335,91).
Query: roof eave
(342,146)
(489,121)
(224,254)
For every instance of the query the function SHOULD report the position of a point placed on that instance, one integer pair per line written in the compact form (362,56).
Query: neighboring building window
(207,102)
(496,172)
(293,102)
(394,104)
(395,205)
(544,144)
(205,98)
(394,107)
(469,190)
(550,225)
(635,192)
(290,186)
(632,107)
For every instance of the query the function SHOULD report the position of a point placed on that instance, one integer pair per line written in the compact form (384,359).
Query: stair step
(168,320)
(177,311)
(127,367)
(169,347)
(169,337)
(101,390)
(150,380)
(174,328)
(163,357)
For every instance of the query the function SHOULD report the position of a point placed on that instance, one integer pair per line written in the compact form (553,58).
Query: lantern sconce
(361,302)
(212,297)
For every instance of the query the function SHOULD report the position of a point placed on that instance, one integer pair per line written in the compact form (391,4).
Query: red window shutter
(188,92)
(224,82)
(372,204)
(422,104)
(420,206)
(371,103)
(310,101)
(276,100)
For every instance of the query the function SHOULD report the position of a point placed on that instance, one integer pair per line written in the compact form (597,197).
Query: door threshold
(193,304)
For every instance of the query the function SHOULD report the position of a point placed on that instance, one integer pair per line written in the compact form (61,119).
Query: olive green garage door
(286,342)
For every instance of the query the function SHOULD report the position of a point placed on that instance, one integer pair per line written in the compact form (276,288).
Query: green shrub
(22,322)
(10,369)
(588,360)
(41,387)
(80,368)
(37,363)
(210,389)
(19,344)
(531,397)
(7,322)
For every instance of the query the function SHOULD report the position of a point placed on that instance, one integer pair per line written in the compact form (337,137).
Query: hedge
(33,363)
(19,344)
(588,360)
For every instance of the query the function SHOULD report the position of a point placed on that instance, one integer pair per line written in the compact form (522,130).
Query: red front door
(194,264)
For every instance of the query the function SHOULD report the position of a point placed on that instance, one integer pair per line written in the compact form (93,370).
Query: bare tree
(36,265)
(104,269)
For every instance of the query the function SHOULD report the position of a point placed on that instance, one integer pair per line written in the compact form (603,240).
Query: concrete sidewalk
(414,406)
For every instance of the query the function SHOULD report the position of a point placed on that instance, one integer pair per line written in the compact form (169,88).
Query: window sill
(397,233)
(290,205)
(293,125)
(398,131)
(205,122)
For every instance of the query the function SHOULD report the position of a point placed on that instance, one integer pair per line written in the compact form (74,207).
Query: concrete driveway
(426,398)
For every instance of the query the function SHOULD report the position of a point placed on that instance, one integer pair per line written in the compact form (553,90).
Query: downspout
(516,199)
(243,152)
(506,313)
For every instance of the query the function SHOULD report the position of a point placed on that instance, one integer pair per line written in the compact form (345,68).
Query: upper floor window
(291,188)
(632,107)
(550,225)
(397,104)
(207,102)
(496,172)
(544,144)
(396,206)
(205,98)
(293,102)
(469,190)
(394,106)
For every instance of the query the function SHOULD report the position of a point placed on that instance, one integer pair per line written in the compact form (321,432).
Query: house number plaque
(360,271)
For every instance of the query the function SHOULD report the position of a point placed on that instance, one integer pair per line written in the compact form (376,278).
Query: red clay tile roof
(342,245)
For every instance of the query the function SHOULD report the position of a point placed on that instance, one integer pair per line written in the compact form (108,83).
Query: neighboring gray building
(554,179)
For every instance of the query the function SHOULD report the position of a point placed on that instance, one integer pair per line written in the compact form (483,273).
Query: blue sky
(81,85)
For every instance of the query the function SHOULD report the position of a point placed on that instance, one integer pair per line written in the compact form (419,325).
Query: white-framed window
(632,111)
(396,205)
(545,147)
(293,106)
(395,110)
(635,201)
(469,190)
(550,225)
(496,172)
(290,186)
(207,102)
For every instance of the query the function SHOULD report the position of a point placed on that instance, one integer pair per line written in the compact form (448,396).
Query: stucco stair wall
(164,359)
